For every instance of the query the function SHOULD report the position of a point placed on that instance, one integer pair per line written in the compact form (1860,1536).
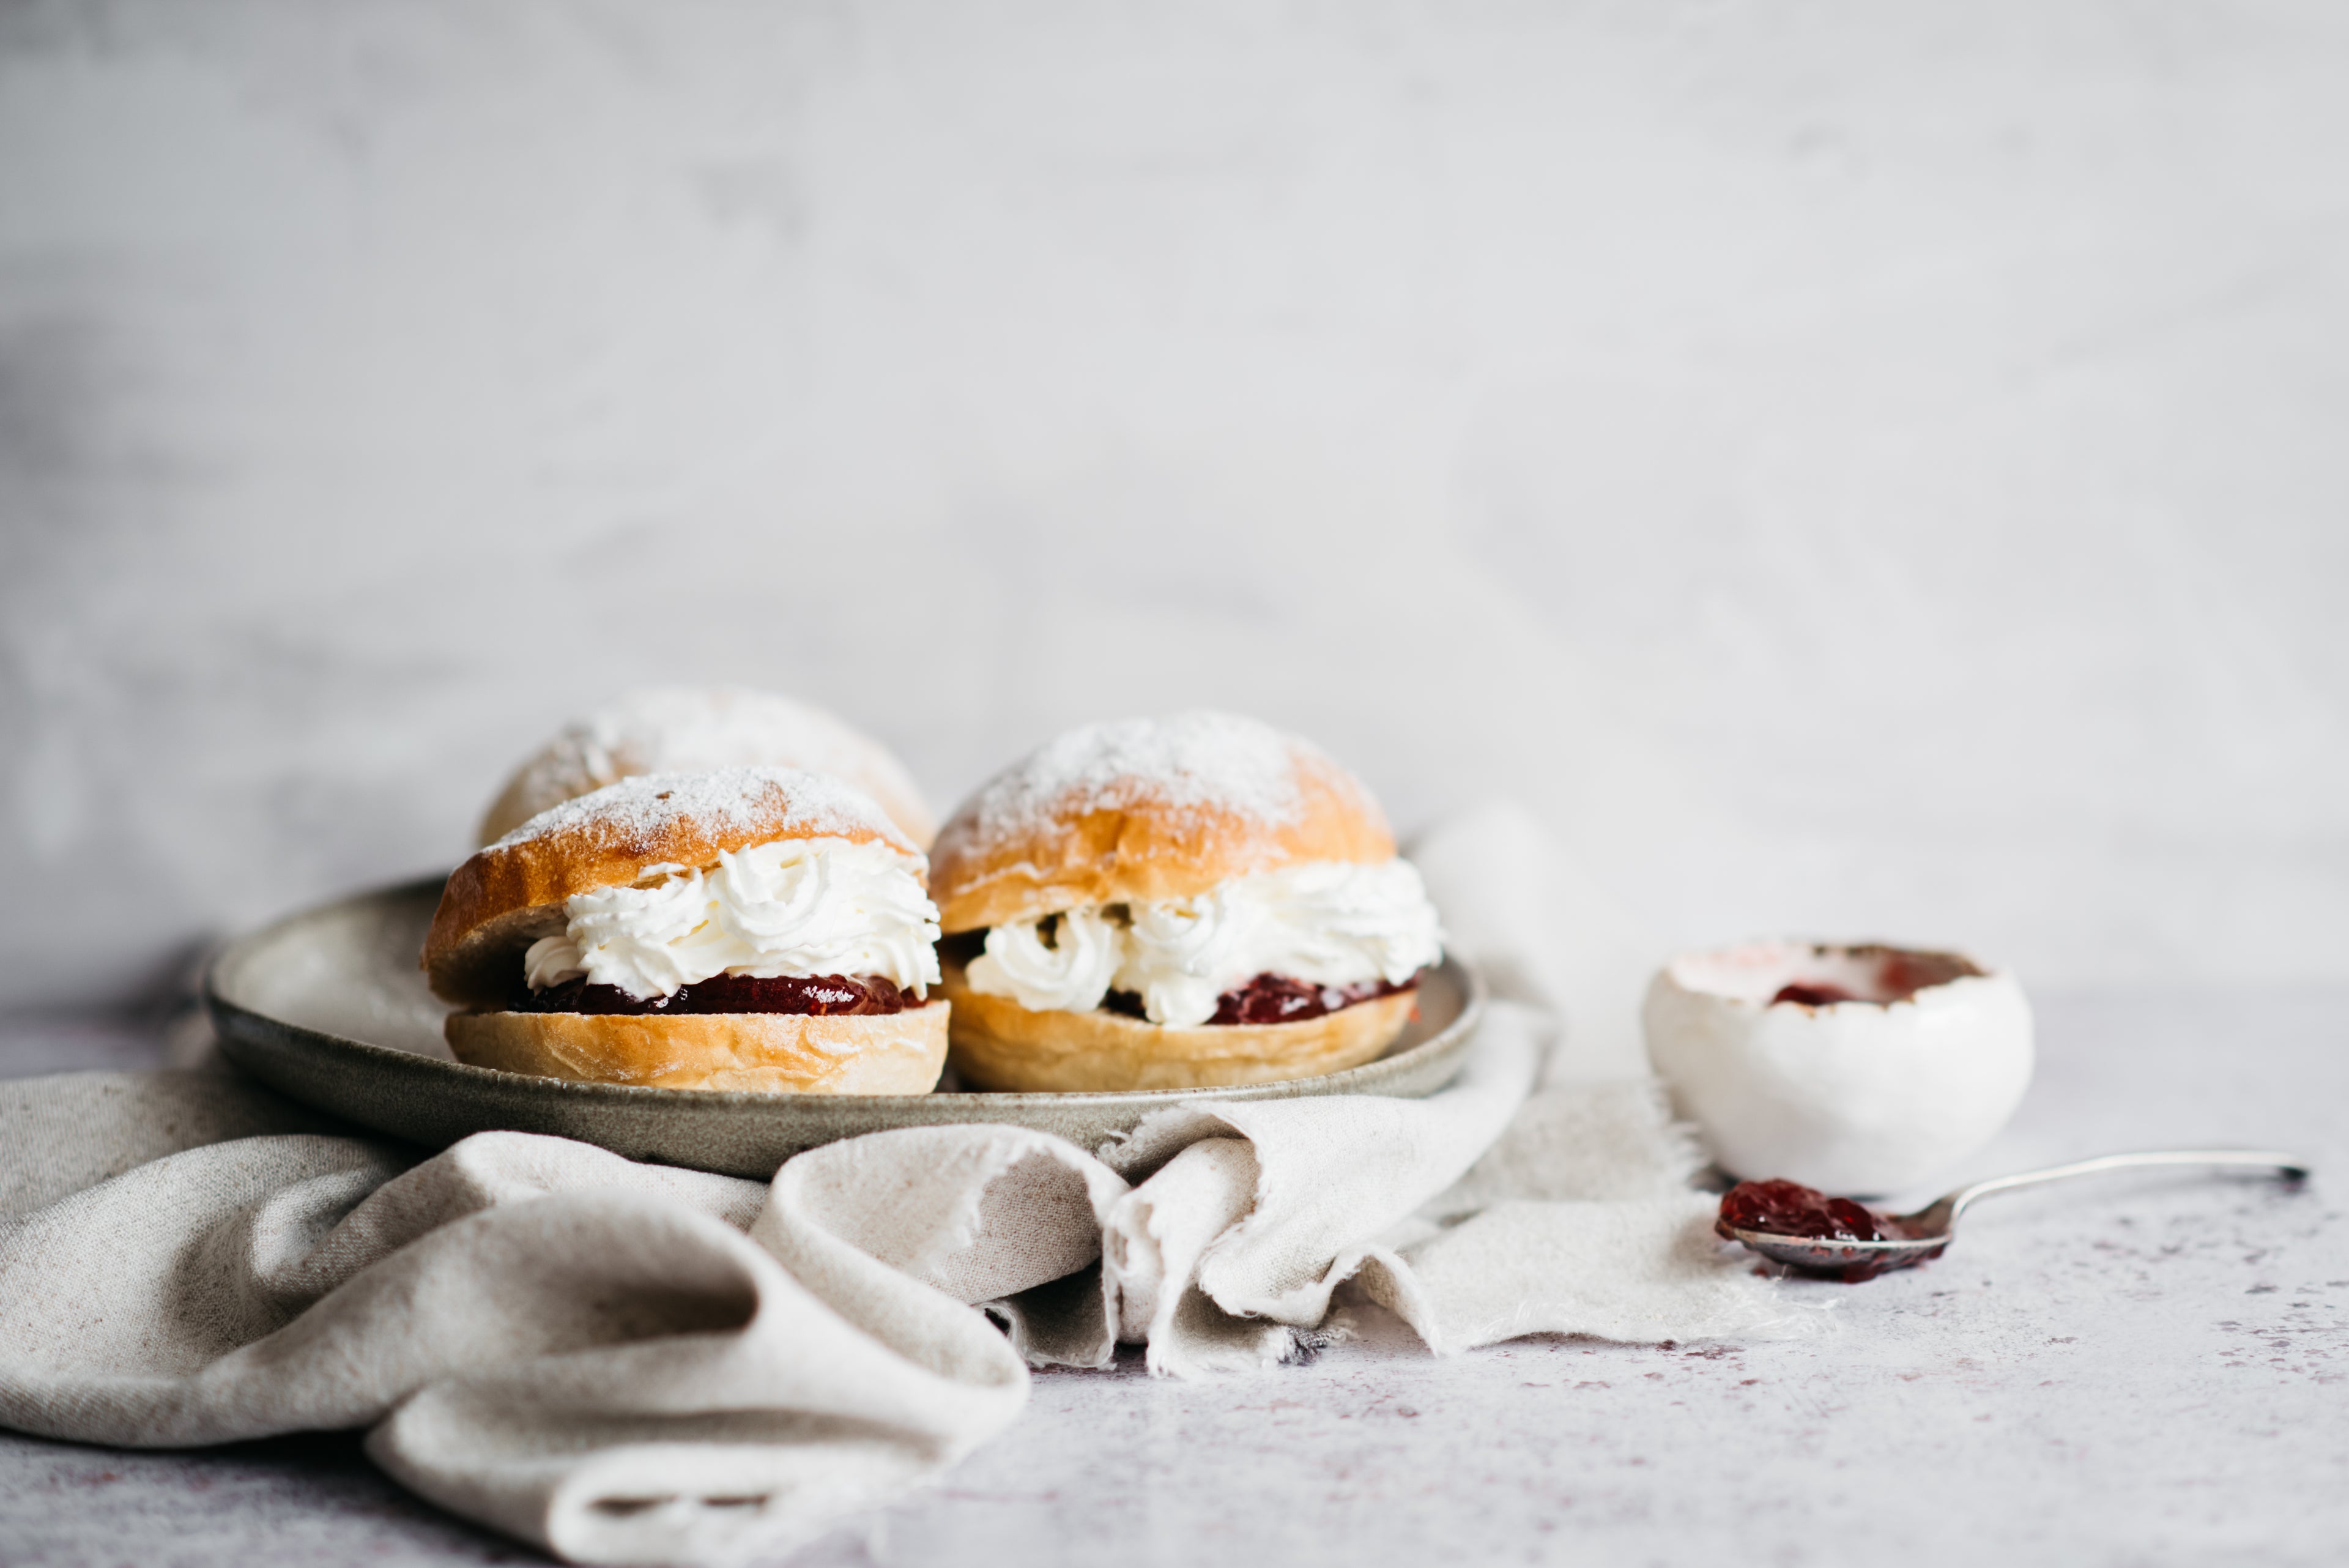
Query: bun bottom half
(750,1053)
(999,1045)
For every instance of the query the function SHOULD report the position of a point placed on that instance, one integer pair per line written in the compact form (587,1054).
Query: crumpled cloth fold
(628,1362)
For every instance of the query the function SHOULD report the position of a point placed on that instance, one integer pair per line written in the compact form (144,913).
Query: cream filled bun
(693,728)
(1175,903)
(750,929)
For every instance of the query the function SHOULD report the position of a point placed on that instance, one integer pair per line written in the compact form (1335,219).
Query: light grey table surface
(2147,1370)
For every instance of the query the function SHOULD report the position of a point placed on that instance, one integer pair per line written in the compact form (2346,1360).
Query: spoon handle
(2290,1167)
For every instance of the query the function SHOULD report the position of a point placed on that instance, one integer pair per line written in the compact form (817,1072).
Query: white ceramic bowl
(1860,1096)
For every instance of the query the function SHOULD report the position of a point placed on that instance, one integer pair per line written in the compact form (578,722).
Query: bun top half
(511,892)
(1145,810)
(693,728)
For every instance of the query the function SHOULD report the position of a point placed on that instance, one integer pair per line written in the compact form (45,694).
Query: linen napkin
(625,1363)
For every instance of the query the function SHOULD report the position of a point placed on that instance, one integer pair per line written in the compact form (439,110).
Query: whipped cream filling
(796,907)
(1327,923)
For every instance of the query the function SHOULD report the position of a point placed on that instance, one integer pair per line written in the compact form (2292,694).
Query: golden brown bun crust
(757,1053)
(691,729)
(509,894)
(999,1045)
(1147,810)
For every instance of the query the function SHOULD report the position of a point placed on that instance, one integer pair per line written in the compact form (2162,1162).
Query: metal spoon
(1926,1233)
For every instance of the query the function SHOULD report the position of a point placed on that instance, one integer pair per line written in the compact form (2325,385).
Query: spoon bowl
(1927,1232)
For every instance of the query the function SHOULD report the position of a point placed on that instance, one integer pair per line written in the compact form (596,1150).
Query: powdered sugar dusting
(697,729)
(1190,762)
(722,800)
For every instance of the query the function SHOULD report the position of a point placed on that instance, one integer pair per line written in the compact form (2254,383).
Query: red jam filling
(1273,999)
(1790,1209)
(822,996)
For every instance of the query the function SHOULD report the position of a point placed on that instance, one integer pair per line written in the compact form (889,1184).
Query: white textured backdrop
(1858,469)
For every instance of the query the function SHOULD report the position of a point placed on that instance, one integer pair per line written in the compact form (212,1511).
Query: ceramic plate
(330,1008)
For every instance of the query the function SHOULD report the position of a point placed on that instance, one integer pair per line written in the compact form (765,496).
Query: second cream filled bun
(690,729)
(1175,903)
(748,929)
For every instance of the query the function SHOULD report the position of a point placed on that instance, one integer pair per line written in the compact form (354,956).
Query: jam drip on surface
(822,996)
(1273,999)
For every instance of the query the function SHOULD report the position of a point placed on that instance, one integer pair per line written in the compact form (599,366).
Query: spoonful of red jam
(1837,1239)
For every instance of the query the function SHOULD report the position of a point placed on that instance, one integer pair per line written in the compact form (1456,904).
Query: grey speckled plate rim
(433,1102)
